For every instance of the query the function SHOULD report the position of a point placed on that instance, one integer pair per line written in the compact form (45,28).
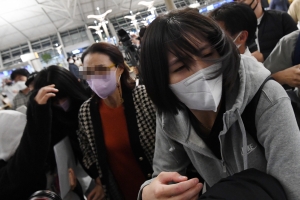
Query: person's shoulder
(19,94)
(140,92)
(289,41)
(274,91)
(295,3)
(85,106)
(275,13)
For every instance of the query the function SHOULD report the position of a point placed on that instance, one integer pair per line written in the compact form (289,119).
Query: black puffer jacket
(273,26)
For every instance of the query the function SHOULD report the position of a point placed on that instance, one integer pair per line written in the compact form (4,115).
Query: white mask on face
(197,93)
(237,45)
(21,85)
(71,61)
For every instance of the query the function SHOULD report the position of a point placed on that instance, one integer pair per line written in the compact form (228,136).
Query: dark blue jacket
(282,5)
(74,69)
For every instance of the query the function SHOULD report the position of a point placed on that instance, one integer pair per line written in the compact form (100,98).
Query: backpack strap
(248,116)
(296,56)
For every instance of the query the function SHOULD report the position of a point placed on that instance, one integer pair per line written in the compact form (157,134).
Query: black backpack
(248,116)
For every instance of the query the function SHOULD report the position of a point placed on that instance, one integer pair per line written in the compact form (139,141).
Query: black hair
(181,32)
(21,72)
(142,32)
(115,56)
(30,78)
(236,17)
(66,83)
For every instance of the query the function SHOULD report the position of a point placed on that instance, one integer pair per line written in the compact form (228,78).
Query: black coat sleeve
(24,172)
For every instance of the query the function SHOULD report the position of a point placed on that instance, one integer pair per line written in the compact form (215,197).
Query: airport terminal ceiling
(27,20)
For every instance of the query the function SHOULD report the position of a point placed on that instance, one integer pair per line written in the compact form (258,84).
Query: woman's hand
(97,193)
(183,188)
(289,76)
(72,179)
(45,93)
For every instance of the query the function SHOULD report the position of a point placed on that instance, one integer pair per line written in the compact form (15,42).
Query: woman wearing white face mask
(117,126)
(201,87)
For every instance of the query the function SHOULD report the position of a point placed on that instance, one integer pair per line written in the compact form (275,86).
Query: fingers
(192,193)
(181,184)
(72,178)
(45,93)
(182,187)
(167,177)
(97,193)
(91,195)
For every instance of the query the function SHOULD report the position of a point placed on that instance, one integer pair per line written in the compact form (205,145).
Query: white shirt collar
(247,52)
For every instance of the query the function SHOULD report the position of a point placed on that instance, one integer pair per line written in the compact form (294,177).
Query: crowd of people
(219,97)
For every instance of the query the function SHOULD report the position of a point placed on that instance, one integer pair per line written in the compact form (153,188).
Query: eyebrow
(199,50)
(101,65)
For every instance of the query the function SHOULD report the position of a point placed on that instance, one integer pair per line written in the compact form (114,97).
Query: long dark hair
(66,83)
(115,56)
(181,32)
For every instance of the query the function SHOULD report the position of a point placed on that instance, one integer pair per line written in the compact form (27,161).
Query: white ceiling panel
(40,18)
(15,5)
(7,30)
(9,40)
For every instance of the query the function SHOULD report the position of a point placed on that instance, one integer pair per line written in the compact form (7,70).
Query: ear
(120,71)
(243,37)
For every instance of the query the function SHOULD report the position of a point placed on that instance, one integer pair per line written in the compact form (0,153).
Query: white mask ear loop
(237,36)
(237,45)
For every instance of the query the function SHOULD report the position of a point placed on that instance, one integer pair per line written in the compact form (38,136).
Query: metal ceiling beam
(74,9)
(81,11)
(53,8)
(93,4)
(130,4)
(66,7)
(63,16)
(47,16)
(115,3)
(15,28)
(104,5)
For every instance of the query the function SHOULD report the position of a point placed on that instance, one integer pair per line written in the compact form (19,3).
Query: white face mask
(197,93)
(71,61)
(21,85)
(237,45)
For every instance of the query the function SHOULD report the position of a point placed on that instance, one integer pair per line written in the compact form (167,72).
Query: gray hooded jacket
(177,143)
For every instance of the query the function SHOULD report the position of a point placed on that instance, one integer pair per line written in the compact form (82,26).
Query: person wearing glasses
(116,126)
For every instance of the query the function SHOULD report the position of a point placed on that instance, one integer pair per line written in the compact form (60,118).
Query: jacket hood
(251,75)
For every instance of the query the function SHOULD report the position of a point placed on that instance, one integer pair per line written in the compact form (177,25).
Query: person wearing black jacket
(72,67)
(52,115)
(272,26)
(116,126)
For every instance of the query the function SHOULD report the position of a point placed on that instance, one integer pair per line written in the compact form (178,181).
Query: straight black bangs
(186,42)
(183,33)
